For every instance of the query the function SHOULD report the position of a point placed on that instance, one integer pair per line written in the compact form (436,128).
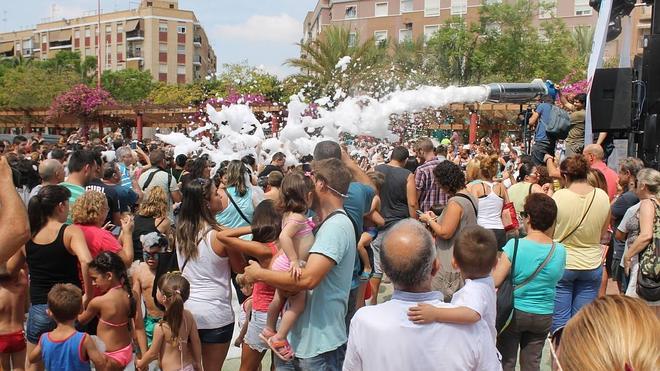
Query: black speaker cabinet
(651,72)
(611,99)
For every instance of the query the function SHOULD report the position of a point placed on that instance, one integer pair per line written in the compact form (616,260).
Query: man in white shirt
(383,338)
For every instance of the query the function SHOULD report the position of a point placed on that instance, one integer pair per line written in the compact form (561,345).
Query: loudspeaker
(651,73)
(611,99)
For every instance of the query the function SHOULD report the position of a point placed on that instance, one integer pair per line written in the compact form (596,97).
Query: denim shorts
(218,335)
(38,323)
(255,326)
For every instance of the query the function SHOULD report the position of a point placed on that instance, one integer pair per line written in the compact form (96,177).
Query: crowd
(128,254)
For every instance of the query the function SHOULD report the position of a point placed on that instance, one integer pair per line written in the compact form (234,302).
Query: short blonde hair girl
(614,332)
(88,208)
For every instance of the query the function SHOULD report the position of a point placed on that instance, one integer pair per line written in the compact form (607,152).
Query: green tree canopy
(32,86)
(128,86)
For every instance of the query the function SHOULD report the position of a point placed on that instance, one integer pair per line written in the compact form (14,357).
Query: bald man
(51,172)
(595,156)
(383,338)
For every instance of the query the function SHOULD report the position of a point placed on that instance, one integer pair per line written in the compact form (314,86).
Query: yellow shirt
(583,246)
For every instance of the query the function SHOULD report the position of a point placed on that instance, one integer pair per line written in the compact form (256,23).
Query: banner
(596,60)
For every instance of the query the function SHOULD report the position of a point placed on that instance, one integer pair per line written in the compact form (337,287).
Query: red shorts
(12,343)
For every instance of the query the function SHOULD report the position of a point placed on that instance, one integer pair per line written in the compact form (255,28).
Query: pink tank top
(262,294)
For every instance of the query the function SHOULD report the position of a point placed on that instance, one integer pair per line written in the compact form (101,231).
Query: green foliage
(128,86)
(176,95)
(31,86)
(244,79)
(318,72)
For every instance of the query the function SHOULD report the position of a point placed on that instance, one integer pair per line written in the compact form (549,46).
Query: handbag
(509,217)
(504,319)
(648,274)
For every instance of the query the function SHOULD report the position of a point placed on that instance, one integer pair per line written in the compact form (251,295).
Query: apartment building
(157,37)
(401,20)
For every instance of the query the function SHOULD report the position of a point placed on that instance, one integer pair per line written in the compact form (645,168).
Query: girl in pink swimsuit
(296,239)
(115,308)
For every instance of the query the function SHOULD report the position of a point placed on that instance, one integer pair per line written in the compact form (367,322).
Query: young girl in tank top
(295,241)
(176,342)
(115,308)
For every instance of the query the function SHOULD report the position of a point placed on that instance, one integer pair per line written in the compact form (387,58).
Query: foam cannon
(515,92)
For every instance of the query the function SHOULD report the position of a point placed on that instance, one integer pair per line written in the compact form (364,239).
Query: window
(405,34)
(351,12)
(381,10)
(582,7)
(120,28)
(180,29)
(181,69)
(76,34)
(543,36)
(429,31)
(162,68)
(458,7)
(88,32)
(491,2)
(162,47)
(162,27)
(493,27)
(181,49)
(352,39)
(380,37)
(44,38)
(108,29)
(406,6)
(431,8)
(548,9)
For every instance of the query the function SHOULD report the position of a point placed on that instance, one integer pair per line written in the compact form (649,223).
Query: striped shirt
(76,192)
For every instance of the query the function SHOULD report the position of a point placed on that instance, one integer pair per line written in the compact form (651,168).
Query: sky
(261,32)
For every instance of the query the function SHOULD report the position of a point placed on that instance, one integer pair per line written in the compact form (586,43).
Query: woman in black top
(151,217)
(56,253)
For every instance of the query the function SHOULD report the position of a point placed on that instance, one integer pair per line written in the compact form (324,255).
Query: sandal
(281,348)
(266,334)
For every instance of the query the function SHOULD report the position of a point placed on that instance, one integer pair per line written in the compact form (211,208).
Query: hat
(152,239)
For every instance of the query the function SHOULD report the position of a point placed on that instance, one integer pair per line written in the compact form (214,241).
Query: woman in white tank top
(492,197)
(207,265)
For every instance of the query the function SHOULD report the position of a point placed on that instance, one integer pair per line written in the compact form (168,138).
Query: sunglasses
(148,255)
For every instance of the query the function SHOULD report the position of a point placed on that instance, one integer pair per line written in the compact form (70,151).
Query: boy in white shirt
(475,255)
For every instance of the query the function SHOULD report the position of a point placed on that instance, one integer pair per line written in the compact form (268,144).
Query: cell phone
(134,145)
(116,230)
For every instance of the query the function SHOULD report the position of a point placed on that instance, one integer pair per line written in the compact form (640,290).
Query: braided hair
(109,262)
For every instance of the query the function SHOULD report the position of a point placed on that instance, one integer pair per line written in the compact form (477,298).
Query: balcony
(197,60)
(135,35)
(197,40)
(134,55)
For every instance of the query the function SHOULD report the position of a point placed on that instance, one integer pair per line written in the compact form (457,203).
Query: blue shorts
(218,335)
(38,323)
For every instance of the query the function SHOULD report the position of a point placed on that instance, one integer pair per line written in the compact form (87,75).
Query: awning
(59,36)
(131,25)
(7,47)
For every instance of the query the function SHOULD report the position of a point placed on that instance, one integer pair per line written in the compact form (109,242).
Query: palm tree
(319,57)
(583,38)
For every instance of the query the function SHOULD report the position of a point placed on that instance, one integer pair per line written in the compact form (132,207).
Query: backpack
(558,124)
(648,276)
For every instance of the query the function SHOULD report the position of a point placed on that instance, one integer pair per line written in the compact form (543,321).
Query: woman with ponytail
(115,308)
(492,197)
(176,342)
(56,253)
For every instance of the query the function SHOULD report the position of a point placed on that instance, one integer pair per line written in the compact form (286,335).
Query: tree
(583,38)
(176,95)
(80,100)
(128,86)
(455,53)
(318,65)
(66,60)
(32,86)
(244,79)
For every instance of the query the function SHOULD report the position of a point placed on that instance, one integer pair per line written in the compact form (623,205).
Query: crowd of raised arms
(116,255)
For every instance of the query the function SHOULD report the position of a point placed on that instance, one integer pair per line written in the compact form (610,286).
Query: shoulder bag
(240,212)
(505,299)
(581,220)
